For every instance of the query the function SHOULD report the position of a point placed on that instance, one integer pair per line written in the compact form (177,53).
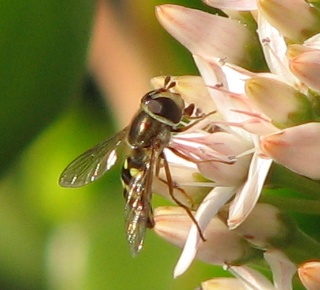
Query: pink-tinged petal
(296,148)
(223,284)
(239,5)
(205,34)
(252,279)
(249,194)
(285,20)
(282,269)
(274,49)
(206,211)
(309,274)
(306,67)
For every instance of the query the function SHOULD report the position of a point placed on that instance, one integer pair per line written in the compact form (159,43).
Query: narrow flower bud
(296,148)
(309,274)
(306,67)
(194,29)
(295,19)
(281,102)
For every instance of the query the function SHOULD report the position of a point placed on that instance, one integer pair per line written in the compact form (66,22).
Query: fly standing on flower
(149,133)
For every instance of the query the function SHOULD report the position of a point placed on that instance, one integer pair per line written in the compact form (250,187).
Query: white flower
(267,116)
(228,248)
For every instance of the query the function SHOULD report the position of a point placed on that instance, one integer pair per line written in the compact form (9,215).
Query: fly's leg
(179,203)
(174,185)
(199,119)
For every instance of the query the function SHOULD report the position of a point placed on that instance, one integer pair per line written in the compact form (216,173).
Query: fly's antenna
(168,84)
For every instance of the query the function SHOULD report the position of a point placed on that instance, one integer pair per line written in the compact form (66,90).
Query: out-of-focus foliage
(42,51)
(55,238)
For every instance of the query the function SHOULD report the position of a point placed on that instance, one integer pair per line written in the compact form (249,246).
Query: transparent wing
(93,163)
(138,208)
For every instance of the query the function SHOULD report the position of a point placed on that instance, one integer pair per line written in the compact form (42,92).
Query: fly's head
(163,105)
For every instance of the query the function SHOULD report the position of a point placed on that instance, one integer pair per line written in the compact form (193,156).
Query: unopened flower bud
(295,19)
(306,67)
(281,102)
(309,274)
(193,28)
(296,148)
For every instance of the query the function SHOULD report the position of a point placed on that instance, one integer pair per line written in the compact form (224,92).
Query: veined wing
(138,208)
(93,163)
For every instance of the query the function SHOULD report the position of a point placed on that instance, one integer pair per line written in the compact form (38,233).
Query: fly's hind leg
(171,187)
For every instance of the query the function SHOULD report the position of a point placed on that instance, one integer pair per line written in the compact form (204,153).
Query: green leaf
(42,52)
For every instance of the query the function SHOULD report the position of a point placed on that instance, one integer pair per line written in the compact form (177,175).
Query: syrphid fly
(149,133)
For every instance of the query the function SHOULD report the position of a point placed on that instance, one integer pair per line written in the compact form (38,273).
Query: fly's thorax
(146,132)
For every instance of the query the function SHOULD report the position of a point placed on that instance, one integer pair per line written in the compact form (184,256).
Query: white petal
(248,196)
(206,211)
(252,279)
(282,269)
(274,49)
(213,74)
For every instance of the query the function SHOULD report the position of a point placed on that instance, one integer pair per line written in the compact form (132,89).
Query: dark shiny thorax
(145,131)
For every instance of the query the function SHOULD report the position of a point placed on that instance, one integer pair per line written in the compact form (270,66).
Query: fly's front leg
(199,119)
(179,203)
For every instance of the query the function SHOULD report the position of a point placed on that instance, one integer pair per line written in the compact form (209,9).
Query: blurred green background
(65,86)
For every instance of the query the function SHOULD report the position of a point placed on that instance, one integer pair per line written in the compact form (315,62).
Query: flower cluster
(260,72)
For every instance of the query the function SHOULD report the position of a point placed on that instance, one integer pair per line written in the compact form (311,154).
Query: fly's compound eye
(165,108)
